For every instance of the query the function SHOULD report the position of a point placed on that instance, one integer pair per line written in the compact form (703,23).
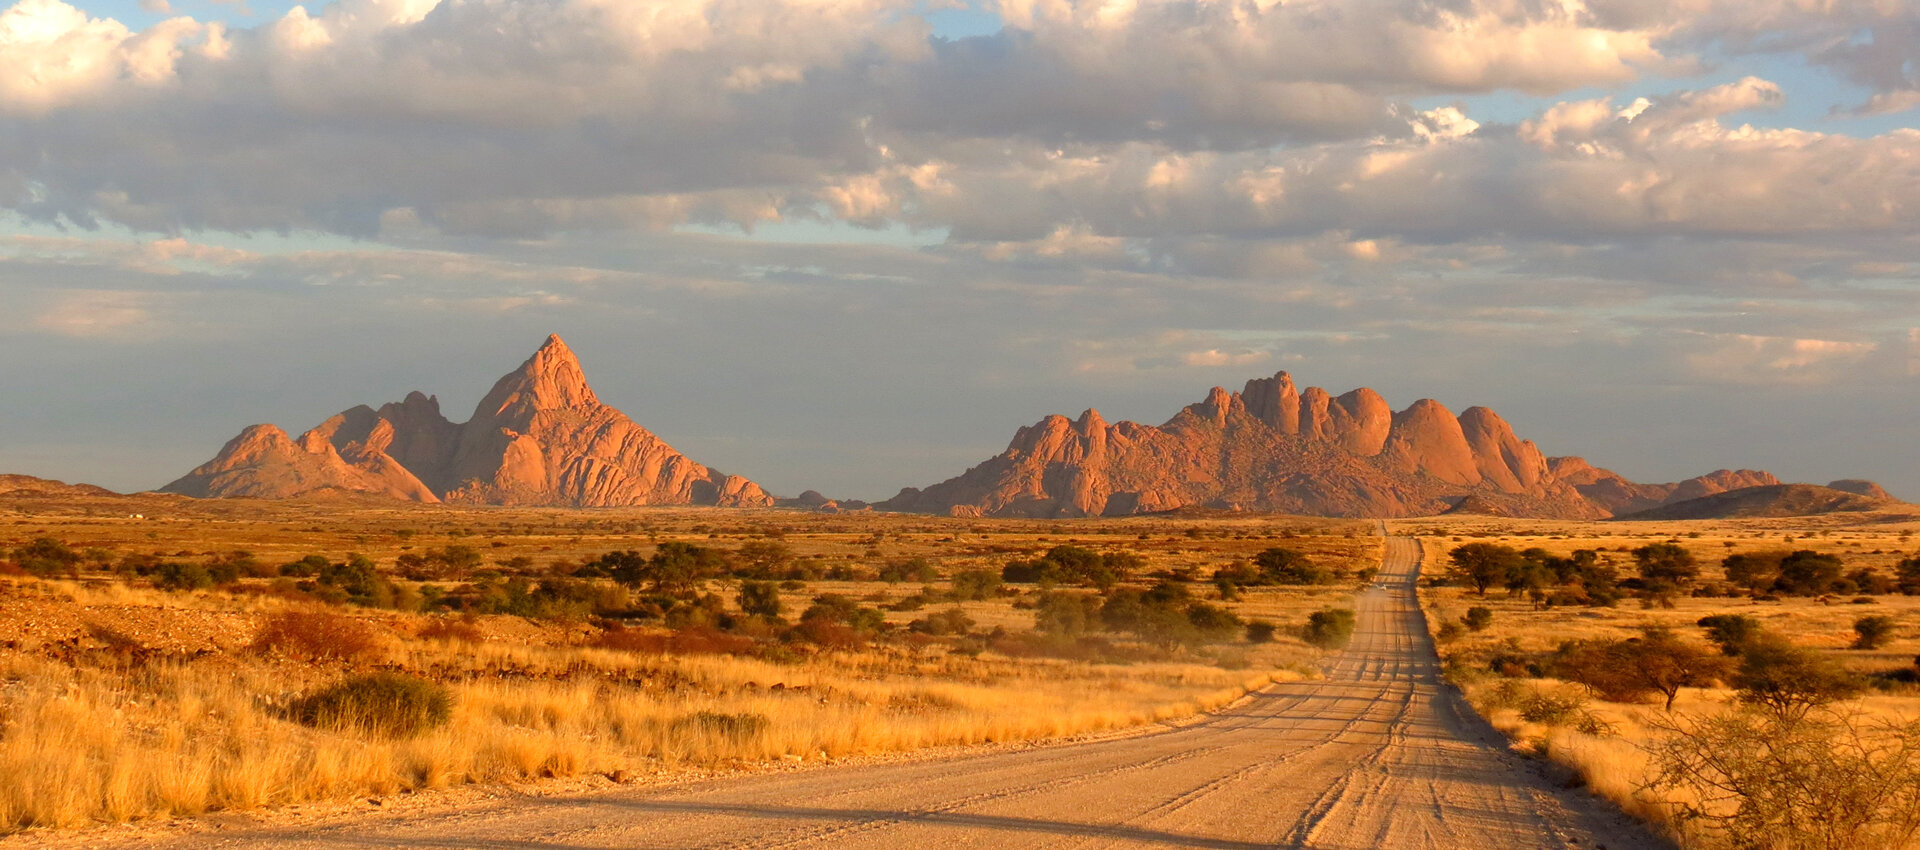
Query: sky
(853,246)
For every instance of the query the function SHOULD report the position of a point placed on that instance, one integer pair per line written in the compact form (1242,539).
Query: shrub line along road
(1378,754)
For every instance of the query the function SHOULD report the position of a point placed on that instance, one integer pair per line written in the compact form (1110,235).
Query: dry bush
(1552,707)
(1828,780)
(383,704)
(448,629)
(318,636)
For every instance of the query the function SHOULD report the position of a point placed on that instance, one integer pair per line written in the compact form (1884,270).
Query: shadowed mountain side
(1777,500)
(1272,448)
(540,437)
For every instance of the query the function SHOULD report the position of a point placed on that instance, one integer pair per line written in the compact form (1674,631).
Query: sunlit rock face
(540,437)
(1271,447)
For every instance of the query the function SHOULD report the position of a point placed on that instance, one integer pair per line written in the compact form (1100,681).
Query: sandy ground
(1378,754)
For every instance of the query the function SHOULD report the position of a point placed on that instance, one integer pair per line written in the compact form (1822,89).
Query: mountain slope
(540,437)
(1777,500)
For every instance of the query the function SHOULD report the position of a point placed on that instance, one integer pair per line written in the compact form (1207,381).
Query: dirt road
(1377,755)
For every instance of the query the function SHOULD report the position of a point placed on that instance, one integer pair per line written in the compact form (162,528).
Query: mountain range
(542,437)
(1272,447)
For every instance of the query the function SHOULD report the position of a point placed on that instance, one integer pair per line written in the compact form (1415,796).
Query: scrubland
(155,666)
(1787,728)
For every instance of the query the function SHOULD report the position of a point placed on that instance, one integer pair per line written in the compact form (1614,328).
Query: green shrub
(385,704)
(46,556)
(1260,631)
(1331,628)
(173,576)
(1478,618)
(1872,632)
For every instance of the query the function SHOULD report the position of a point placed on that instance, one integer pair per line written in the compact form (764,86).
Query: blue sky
(851,247)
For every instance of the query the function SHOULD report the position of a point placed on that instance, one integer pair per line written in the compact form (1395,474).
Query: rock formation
(540,437)
(1271,447)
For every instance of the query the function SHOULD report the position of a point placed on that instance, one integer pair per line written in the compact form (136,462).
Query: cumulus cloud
(525,116)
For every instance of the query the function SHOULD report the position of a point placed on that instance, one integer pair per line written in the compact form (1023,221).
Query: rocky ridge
(1773,500)
(540,437)
(1272,447)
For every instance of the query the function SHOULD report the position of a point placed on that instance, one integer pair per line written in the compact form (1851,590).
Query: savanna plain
(170,665)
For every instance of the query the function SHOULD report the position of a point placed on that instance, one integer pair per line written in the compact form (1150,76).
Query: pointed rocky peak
(344,428)
(255,441)
(1090,421)
(550,380)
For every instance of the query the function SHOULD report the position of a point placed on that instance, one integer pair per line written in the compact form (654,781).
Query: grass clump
(385,704)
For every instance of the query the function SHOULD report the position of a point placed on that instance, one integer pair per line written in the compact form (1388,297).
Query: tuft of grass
(385,704)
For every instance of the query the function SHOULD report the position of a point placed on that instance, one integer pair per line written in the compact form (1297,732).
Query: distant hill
(1777,500)
(23,486)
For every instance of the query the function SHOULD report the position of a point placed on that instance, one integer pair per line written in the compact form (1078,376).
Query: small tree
(1628,670)
(1755,571)
(1667,663)
(1483,565)
(1907,574)
(760,599)
(1731,632)
(1286,566)
(1872,632)
(1666,563)
(1787,681)
(1807,573)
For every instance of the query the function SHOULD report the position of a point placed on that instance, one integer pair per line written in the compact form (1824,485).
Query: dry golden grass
(119,702)
(1616,763)
(84,744)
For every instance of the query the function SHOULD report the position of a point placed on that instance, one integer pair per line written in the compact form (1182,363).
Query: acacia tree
(1484,565)
(1666,563)
(1806,572)
(1627,670)
(1755,571)
(1787,682)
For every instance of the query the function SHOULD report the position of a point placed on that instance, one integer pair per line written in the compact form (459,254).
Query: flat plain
(139,711)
